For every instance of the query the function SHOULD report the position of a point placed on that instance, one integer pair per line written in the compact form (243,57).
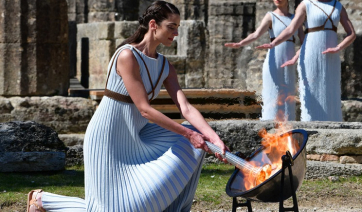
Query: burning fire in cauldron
(267,162)
(275,145)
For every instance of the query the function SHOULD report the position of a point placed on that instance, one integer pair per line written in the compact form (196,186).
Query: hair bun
(140,20)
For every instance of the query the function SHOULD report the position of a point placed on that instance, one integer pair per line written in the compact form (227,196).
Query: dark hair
(159,11)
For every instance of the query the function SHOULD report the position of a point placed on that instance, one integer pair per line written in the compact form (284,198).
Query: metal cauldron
(270,190)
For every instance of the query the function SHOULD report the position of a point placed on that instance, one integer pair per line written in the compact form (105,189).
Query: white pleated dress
(130,164)
(279,84)
(320,74)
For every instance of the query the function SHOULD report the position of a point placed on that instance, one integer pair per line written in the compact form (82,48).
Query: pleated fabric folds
(279,84)
(320,74)
(131,164)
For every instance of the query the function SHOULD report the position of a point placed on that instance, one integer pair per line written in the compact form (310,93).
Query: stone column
(229,22)
(33,47)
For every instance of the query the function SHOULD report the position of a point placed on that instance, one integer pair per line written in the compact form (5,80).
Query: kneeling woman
(131,164)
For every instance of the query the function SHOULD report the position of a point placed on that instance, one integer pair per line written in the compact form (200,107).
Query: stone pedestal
(34,58)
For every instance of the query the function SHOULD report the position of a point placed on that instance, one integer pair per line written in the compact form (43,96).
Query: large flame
(268,161)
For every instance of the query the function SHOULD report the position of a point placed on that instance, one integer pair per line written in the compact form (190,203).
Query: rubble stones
(63,114)
(29,146)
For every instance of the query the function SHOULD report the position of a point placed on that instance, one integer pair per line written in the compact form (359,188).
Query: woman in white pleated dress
(132,164)
(279,82)
(319,66)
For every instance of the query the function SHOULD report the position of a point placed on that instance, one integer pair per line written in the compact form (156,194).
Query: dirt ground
(335,197)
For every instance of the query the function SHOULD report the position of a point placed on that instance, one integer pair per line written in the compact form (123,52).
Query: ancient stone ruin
(50,47)
(34,58)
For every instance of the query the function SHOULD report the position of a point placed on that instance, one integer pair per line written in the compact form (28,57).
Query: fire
(268,161)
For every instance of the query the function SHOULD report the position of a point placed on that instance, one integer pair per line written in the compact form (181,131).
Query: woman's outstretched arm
(265,24)
(292,61)
(128,69)
(351,35)
(295,24)
(190,113)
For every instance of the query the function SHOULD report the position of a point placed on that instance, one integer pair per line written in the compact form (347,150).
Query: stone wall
(62,114)
(215,66)
(228,22)
(34,47)
(333,148)
(94,51)
(351,57)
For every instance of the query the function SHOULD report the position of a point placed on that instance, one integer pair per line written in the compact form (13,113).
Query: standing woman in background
(131,164)
(278,76)
(319,66)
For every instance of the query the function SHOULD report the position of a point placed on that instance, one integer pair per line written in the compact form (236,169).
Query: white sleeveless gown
(130,164)
(320,74)
(279,84)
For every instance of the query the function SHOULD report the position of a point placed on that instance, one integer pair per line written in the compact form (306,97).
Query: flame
(274,145)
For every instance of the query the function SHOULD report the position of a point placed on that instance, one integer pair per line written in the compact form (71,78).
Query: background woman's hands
(332,50)
(233,45)
(290,62)
(265,46)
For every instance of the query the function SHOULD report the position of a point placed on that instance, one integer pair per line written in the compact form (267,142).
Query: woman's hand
(266,46)
(233,45)
(198,141)
(218,142)
(332,50)
(290,62)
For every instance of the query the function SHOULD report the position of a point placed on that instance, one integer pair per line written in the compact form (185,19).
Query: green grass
(15,186)
(212,183)
(209,194)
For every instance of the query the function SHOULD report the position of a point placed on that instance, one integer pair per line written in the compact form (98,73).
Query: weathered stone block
(350,159)
(72,139)
(330,158)
(10,59)
(31,161)
(352,110)
(96,31)
(29,146)
(179,62)
(31,52)
(317,169)
(314,157)
(10,28)
(75,156)
(336,142)
(124,29)
(65,115)
(191,10)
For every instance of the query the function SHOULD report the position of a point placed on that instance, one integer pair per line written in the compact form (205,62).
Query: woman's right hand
(266,46)
(198,141)
(290,62)
(233,45)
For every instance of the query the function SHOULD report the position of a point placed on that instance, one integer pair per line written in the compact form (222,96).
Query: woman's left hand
(332,50)
(218,142)
(265,46)
(290,62)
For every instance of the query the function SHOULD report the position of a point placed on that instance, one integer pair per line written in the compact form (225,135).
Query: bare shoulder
(302,5)
(268,17)
(126,61)
(125,55)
